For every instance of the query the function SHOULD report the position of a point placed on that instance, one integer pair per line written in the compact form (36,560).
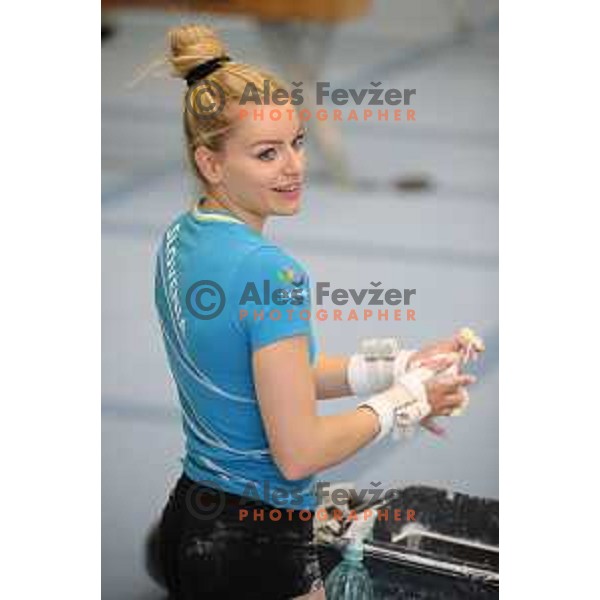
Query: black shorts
(209,549)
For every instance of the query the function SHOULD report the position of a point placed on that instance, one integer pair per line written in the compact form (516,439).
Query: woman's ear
(208,164)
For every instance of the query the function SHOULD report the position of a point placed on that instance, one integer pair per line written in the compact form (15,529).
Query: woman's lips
(290,193)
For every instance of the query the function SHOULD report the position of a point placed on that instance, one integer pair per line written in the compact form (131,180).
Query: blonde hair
(191,46)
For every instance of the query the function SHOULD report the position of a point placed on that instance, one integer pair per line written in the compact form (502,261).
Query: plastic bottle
(350,580)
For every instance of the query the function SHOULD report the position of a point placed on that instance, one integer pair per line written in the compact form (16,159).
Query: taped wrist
(403,404)
(414,383)
(378,364)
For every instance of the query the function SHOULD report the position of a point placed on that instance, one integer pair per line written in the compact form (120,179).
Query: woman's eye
(267,154)
(299,141)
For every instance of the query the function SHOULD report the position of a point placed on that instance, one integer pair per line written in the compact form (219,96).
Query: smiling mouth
(290,188)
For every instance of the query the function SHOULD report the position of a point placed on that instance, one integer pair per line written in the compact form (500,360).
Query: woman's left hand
(464,343)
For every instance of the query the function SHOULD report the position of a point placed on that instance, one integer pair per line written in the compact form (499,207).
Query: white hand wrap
(403,404)
(414,383)
(377,366)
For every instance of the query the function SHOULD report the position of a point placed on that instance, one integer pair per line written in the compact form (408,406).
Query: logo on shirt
(288,275)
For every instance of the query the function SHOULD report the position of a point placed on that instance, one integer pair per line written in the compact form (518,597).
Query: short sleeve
(273,298)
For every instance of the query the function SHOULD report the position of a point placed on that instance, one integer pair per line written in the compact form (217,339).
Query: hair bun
(192,45)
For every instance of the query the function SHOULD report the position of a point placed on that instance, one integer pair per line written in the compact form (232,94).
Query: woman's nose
(294,164)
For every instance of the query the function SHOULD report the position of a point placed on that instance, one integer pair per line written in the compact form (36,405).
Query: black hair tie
(205,69)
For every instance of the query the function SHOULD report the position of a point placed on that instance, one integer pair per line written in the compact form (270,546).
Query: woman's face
(261,167)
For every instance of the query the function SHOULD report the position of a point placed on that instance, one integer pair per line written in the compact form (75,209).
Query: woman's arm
(331,377)
(303,443)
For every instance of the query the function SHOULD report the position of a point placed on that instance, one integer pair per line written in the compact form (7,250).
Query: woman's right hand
(446,393)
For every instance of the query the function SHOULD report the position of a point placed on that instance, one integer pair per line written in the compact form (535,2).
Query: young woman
(234,310)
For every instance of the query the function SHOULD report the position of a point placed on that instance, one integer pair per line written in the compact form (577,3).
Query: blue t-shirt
(222,292)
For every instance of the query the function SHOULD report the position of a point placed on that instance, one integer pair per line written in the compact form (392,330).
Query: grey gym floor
(443,241)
